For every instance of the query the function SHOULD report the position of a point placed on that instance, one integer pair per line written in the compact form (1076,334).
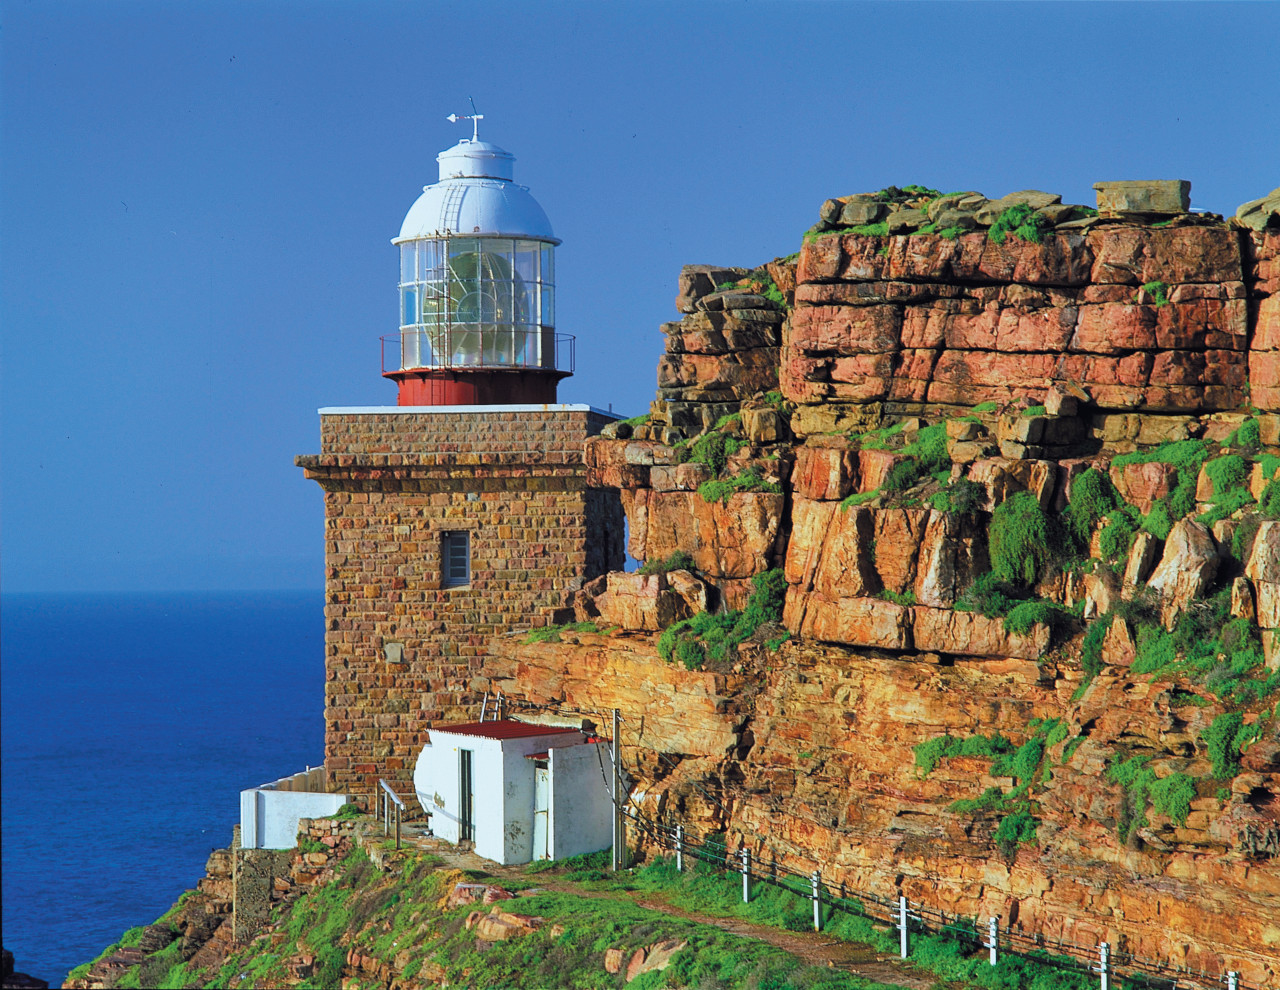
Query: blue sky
(198,200)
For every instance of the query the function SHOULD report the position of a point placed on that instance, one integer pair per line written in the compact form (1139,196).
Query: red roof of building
(504,729)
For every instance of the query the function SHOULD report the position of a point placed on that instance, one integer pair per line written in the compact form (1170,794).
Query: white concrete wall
(580,818)
(269,817)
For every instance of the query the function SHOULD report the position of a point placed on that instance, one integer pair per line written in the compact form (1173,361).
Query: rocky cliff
(1011,469)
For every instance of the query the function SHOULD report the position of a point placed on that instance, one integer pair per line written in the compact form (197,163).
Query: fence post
(816,880)
(1104,965)
(745,855)
(993,939)
(1233,980)
(902,926)
(679,848)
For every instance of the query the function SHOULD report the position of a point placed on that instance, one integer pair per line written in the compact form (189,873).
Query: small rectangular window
(455,559)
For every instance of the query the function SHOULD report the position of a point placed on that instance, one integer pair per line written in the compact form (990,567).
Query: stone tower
(462,512)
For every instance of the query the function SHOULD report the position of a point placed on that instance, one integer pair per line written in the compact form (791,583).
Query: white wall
(502,783)
(581,805)
(269,817)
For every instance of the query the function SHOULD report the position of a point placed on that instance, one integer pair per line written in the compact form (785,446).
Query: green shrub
(551,634)
(1091,646)
(714,638)
(1269,504)
(989,596)
(1248,434)
(986,407)
(1157,522)
(1117,536)
(960,497)
(1024,616)
(1159,291)
(1190,454)
(1227,473)
(714,450)
(1155,650)
(931,752)
(1092,496)
(907,598)
(1018,828)
(988,800)
(722,489)
(1173,795)
(1022,221)
(1034,411)
(680,560)
(1220,739)
(1026,761)
(1021,539)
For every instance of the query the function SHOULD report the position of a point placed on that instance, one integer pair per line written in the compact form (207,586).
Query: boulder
(853,621)
(1263,569)
(653,958)
(640,602)
(1258,214)
(825,470)
(1142,485)
(1166,197)
(1035,198)
(1186,569)
(855,213)
(499,925)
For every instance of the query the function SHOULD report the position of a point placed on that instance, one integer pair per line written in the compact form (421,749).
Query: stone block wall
(403,651)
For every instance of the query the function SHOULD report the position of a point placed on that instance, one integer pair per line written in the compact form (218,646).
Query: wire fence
(1102,959)
(1109,966)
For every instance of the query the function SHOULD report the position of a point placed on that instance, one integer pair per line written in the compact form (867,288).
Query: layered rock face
(1101,396)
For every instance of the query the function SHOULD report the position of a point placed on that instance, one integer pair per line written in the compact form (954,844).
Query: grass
(679,560)
(551,634)
(1158,291)
(714,638)
(721,489)
(1020,221)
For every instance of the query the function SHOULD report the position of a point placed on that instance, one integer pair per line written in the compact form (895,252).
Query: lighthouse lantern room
(477,289)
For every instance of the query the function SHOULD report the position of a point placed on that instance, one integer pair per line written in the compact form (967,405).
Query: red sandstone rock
(1187,566)
(941,630)
(854,621)
(1142,485)
(825,471)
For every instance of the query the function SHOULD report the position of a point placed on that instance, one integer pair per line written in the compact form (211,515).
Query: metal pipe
(816,880)
(745,855)
(902,927)
(679,848)
(993,939)
(1104,965)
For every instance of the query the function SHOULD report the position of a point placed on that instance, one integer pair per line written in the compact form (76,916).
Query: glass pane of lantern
(408,261)
(527,260)
(548,306)
(548,264)
(526,303)
(409,309)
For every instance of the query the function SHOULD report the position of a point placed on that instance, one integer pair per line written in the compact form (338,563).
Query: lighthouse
(477,288)
(461,512)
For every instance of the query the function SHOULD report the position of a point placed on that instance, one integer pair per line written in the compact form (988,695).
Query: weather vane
(474,117)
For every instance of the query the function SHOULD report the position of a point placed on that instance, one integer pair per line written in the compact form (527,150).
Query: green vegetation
(680,560)
(1022,221)
(1024,616)
(930,753)
(1158,291)
(986,407)
(1035,411)
(1224,739)
(1022,539)
(750,480)
(959,497)
(761,283)
(1247,435)
(1092,496)
(714,638)
(907,598)
(348,811)
(551,634)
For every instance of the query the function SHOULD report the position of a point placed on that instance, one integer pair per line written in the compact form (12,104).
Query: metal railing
(466,347)
(387,798)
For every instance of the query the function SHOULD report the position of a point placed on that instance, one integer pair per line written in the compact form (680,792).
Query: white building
(269,814)
(519,791)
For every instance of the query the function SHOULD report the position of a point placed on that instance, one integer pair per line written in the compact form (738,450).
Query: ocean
(130,723)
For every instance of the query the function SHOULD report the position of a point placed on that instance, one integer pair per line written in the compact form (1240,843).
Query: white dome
(475,195)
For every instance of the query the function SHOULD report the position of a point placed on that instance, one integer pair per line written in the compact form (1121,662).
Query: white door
(541,804)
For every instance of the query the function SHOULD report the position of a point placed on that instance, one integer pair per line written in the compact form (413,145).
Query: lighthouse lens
(475,302)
